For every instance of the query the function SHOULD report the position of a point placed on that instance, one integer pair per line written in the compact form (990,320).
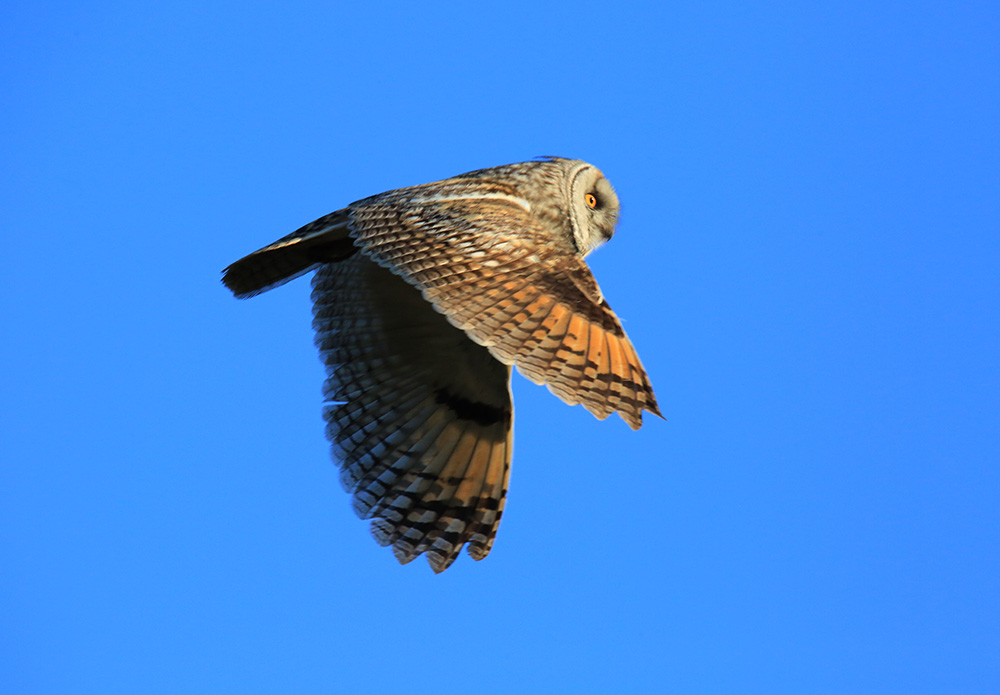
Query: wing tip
(239,291)
(633,418)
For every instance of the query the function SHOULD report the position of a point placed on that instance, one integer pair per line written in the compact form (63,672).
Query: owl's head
(567,197)
(593,207)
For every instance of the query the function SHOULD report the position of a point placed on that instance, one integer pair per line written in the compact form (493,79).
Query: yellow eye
(591,200)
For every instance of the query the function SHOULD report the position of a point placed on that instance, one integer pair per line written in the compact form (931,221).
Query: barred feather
(530,304)
(420,416)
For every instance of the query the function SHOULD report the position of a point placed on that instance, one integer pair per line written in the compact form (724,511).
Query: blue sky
(807,263)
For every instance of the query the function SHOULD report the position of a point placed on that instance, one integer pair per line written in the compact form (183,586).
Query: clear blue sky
(807,262)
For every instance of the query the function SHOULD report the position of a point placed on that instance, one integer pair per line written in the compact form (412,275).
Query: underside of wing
(484,262)
(419,416)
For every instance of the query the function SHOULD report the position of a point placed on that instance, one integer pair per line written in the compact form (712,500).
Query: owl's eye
(591,200)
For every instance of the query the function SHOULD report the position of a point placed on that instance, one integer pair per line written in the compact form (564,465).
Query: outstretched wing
(419,416)
(484,261)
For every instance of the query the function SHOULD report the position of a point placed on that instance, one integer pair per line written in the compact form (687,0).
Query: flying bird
(423,300)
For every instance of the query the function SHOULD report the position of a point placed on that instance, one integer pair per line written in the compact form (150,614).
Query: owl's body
(423,300)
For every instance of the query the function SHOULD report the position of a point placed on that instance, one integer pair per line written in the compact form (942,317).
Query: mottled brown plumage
(423,300)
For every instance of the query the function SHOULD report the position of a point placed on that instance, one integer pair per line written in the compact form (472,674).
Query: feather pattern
(530,306)
(423,300)
(420,417)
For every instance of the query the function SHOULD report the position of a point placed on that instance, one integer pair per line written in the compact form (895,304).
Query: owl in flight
(423,300)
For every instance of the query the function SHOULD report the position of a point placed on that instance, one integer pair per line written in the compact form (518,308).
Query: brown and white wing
(419,416)
(483,260)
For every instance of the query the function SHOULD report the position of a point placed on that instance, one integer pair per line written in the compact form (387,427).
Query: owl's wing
(484,261)
(419,416)
(322,241)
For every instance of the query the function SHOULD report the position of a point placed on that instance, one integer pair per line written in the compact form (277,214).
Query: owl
(423,300)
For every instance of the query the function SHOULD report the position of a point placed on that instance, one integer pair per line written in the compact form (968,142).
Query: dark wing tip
(236,282)
(322,241)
